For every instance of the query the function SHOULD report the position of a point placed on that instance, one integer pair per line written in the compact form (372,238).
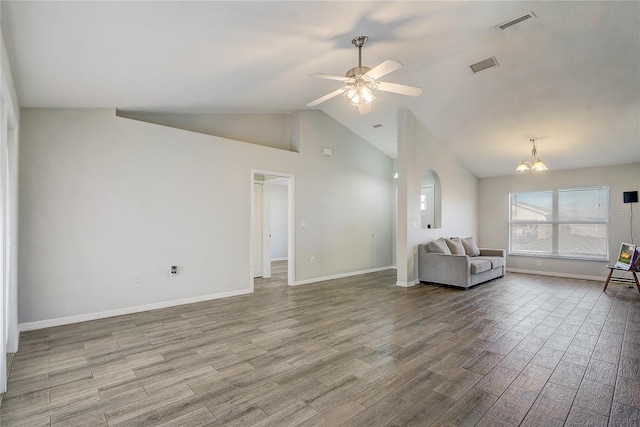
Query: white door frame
(290,223)
(257,221)
(266,224)
(266,229)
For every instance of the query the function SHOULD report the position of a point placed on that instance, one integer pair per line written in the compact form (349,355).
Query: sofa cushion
(480,265)
(455,246)
(470,247)
(439,247)
(496,261)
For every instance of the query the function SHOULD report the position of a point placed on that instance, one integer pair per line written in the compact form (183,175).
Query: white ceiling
(570,77)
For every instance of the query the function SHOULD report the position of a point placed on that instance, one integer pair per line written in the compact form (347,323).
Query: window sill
(568,258)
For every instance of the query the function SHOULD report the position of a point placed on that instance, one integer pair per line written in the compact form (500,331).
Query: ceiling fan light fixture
(361,83)
(360,91)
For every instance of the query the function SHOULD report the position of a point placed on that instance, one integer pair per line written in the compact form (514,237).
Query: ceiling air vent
(483,65)
(516,21)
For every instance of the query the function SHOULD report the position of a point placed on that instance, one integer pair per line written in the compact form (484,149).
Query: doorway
(272,229)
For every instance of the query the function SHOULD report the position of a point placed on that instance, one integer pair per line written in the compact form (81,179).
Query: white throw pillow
(455,246)
(439,246)
(470,247)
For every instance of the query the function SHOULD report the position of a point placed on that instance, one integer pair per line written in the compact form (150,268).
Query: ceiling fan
(362,82)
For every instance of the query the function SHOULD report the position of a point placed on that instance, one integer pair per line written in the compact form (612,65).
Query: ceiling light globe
(352,96)
(367,94)
(522,167)
(538,166)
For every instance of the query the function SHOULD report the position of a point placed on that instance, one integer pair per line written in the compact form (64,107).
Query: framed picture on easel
(627,257)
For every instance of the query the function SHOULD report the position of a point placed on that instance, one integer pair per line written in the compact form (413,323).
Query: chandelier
(537,165)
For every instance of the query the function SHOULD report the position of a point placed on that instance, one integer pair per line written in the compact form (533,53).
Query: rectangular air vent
(516,21)
(483,65)
(379,125)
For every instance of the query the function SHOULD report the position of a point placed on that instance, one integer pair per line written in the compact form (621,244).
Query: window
(568,223)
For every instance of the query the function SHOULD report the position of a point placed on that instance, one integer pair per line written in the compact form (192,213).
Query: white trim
(266,230)
(407,284)
(550,273)
(341,275)
(40,324)
(280,259)
(291,226)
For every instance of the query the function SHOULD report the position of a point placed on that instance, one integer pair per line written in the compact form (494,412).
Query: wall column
(406,151)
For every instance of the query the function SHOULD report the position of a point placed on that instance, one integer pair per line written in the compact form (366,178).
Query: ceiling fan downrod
(358,42)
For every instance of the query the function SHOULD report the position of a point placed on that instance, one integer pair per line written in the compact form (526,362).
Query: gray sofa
(461,271)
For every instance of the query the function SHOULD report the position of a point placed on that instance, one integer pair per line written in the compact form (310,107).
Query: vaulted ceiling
(570,76)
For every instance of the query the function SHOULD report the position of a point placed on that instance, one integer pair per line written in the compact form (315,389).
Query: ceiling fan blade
(325,98)
(329,77)
(398,88)
(383,69)
(364,109)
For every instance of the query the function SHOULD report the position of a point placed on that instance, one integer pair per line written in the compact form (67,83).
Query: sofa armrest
(492,252)
(441,268)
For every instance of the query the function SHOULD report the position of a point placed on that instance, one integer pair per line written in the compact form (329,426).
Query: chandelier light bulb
(538,166)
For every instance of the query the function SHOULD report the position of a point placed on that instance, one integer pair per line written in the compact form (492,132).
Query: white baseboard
(40,324)
(407,284)
(564,275)
(280,259)
(340,276)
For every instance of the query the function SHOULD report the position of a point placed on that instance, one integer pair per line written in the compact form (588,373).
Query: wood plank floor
(522,350)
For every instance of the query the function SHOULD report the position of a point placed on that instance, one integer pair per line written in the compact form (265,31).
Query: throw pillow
(470,247)
(455,246)
(439,246)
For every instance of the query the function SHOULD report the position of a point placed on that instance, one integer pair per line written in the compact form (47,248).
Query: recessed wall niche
(430,200)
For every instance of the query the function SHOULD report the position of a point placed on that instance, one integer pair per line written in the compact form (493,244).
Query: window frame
(556,223)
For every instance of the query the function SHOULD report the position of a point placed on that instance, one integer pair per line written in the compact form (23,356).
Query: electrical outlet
(313,260)
(173,271)
(539,263)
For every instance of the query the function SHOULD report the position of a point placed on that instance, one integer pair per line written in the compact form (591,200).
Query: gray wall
(494,213)
(271,130)
(104,199)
